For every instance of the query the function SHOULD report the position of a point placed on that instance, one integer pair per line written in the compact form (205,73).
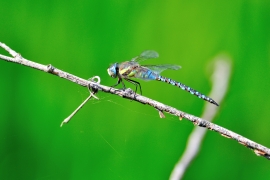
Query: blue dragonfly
(132,69)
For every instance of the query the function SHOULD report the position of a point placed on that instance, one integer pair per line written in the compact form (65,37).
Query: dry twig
(220,81)
(129,94)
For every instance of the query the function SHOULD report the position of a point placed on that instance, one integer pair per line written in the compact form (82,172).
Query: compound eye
(112,70)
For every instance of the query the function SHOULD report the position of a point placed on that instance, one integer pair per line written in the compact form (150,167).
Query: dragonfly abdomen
(187,88)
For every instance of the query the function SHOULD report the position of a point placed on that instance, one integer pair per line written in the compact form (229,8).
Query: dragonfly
(132,69)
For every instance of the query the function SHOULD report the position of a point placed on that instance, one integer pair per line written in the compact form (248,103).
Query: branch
(220,81)
(129,94)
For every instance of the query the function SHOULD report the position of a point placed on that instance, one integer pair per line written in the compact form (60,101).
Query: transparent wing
(148,54)
(162,67)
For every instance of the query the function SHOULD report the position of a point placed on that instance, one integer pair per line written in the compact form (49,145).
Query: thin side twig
(220,81)
(259,149)
(82,104)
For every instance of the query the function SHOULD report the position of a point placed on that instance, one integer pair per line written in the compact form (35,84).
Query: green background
(115,138)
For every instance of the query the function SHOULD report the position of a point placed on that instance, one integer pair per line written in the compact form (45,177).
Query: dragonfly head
(113,70)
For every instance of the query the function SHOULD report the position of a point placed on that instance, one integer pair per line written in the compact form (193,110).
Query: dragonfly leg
(118,82)
(124,87)
(136,84)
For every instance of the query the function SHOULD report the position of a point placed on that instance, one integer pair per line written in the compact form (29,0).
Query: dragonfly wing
(144,73)
(162,67)
(148,54)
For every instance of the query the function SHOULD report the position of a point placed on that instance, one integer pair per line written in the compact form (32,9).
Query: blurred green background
(115,138)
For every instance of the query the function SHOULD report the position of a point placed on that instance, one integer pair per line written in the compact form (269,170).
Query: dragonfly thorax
(113,70)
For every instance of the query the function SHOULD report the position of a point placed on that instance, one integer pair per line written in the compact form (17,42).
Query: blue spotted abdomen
(184,87)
